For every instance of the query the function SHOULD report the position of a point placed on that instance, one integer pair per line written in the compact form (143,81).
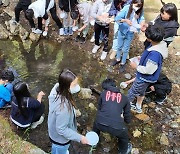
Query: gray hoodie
(100,7)
(61,122)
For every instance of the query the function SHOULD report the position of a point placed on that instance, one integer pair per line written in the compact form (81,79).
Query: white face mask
(135,8)
(75,89)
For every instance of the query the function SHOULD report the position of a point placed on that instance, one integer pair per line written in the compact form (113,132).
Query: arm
(100,102)
(130,81)
(127,112)
(40,95)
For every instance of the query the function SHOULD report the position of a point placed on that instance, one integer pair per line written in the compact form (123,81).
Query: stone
(107,137)
(13,27)
(37,150)
(107,149)
(34,37)
(143,117)
(85,93)
(136,133)
(23,33)
(27,44)
(174,124)
(127,76)
(149,152)
(176,109)
(152,105)
(5,2)
(135,151)
(4,34)
(78,113)
(164,140)
(92,107)
(9,11)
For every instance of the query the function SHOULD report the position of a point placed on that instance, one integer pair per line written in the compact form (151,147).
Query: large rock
(5,2)
(85,93)
(23,33)
(4,34)
(143,117)
(12,26)
(164,140)
(34,37)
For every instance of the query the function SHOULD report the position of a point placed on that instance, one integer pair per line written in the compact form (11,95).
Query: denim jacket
(123,26)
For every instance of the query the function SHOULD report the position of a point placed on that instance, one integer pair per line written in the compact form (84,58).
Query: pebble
(135,151)
(174,124)
(127,76)
(143,117)
(152,105)
(92,107)
(136,133)
(78,113)
(164,139)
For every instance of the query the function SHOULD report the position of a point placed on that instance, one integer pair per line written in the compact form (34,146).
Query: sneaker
(133,106)
(160,101)
(70,31)
(113,54)
(103,55)
(61,31)
(45,33)
(33,30)
(66,31)
(138,110)
(122,68)
(82,40)
(95,48)
(92,39)
(129,148)
(115,62)
(67,152)
(77,38)
(38,31)
(35,124)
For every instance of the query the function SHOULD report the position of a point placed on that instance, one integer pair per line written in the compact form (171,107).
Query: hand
(128,22)
(143,27)
(133,65)
(41,93)
(43,21)
(152,88)
(84,140)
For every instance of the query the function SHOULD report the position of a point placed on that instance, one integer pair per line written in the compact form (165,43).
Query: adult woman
(25,109)
(61,118)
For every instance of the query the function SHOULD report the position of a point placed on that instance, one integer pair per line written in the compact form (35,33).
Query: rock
(177,54)
(152,105)
(78,113)
(92,107)
(37,150)
(135,151)
(5,2)
(27,44)
(164,139)
(174,124)
(85,93)
(13,27)
(4,34)
(107,137)
(23,33)
(9,11)
(143,117)
(107,149)
(178,120)
(176,109)
(127,76)
(149,152)
(136,133)
(34,37)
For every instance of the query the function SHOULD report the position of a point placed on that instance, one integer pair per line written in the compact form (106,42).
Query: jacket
(39,7)
(150,63)
(61,122)
(110,107)
(99,7)
(31,104)
(65,6)
(5,95)
(123,26)
(24,2)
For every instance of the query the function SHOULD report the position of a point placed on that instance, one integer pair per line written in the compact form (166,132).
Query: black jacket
(110,107)
(64,5)
(24,2)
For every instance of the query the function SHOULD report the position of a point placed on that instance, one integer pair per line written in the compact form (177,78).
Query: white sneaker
(33,30)
(61,31)
(67,152)
(95,48)
(92,39)
(35,124)
(38,31)
(45,33)
(113,54)
(103,55)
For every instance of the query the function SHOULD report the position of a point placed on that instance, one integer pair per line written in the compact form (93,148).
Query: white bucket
(92,138)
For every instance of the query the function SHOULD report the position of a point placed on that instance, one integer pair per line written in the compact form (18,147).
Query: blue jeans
(59,149)
(124,42)
(115,38)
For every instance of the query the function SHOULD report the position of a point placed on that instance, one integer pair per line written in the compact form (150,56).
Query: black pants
(38,113)
(105,30)
(19,7)
(54,17)
(121,134)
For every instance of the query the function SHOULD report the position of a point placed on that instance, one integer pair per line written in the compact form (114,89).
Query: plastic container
(123,85)
(92,138)
(75,28)
(63,15)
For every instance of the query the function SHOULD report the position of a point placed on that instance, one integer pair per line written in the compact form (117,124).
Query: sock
(138,106)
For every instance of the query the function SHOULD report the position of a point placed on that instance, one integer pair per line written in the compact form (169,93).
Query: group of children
(128,18)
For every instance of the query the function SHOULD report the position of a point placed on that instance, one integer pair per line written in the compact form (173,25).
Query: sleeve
(61,4)
(33,103)
(94,10)
(122,14)
(112,11)
(5,95)
(100,102)
(141,19)
(170,32)
(62,126)
(127,112)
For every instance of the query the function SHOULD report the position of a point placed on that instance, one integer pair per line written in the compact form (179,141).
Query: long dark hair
(171,9)
(21,93)
(118,4)
(138,12)
(66,77)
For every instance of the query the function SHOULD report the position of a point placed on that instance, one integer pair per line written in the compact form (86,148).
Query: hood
(110,86)
(161,48)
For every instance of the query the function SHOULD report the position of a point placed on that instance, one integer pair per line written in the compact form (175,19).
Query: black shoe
(82,40)
(128,150)
(115,62)
(77,38)
(122,68)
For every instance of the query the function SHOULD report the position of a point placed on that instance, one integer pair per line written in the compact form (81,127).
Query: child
(62,127)
(149,68)
(5,87)
(25,109)
(168,19)
(128,19)
(67,7)
(108,119)
(39,9)
(100,14)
